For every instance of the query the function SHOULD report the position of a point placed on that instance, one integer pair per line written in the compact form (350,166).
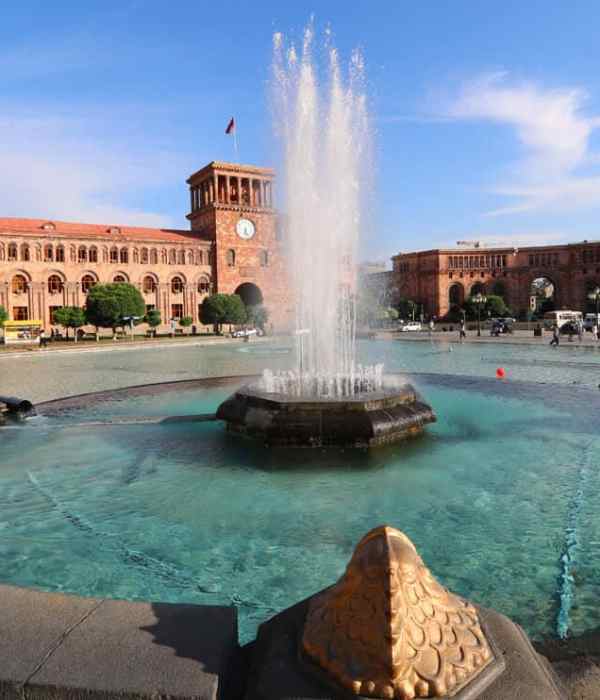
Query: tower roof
(223,166)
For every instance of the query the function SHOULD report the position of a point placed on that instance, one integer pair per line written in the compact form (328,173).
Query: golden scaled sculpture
(388,629)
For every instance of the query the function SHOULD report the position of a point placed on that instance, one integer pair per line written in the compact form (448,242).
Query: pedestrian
(580,330)
(431,326)
(463,333)
(43,339)
(555,335)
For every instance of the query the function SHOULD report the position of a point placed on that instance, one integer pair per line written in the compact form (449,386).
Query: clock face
(245,229)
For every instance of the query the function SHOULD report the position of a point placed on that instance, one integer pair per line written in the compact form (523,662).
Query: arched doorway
(542,292)
(456,299)
(456,295)
(250,294)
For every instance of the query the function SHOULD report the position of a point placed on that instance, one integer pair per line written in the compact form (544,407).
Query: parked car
(244,333)
(411,326)
(500,327)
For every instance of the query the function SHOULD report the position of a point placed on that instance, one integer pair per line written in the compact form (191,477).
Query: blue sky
(486,114)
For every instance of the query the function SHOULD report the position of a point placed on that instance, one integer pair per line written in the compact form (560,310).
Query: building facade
(233,246)
(442,279)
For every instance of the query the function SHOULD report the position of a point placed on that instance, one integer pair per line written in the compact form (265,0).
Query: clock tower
(232,206)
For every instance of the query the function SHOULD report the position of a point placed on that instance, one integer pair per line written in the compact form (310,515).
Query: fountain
(327,399)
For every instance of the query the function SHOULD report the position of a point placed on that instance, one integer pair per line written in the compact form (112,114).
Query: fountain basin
(365,420)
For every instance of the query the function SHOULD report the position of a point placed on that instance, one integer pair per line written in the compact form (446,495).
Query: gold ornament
(388,629)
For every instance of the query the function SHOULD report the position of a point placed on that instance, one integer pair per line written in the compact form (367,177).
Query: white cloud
(554,134)
(66,168)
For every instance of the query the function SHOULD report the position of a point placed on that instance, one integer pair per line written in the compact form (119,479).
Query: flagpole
(235,143)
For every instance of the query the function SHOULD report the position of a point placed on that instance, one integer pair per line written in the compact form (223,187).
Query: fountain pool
(498,495)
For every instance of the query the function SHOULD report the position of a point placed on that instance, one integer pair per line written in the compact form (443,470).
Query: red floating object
(500,373)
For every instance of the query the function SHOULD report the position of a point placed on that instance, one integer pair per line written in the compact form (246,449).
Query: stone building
(442,278)
(232,247)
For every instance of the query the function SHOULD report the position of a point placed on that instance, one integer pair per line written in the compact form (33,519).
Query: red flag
(230,127)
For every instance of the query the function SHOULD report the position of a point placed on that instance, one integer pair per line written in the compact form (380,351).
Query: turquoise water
(499,496)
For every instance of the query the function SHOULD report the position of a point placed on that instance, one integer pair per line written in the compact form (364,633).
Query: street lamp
(594,295)
(479,299)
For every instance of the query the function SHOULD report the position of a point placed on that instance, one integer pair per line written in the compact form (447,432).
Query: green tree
(108,304)
(212,311)
(235,310)
(393,314)
(258,315)
(186,321)
(70,317)
(153,319)
(77,319)
(494,306)
(407,308)
(3,316)
(367,307)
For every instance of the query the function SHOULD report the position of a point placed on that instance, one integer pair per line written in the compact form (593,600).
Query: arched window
(73,253)
(204,285)
(60,253)
(149,284)
(124,256)
(25,255)
(55,284)
(231,258)
(190,257)
(163,256)
(144,256)
(48,253)
(181,257)
(12,251)
(19,284)
(136,255)
(200,258)
(176,285)
(87,282)
(93,254)
(264,258)
(1,250)
(172,257)
(82,254)
(114,255)
(119,279)
(153,257)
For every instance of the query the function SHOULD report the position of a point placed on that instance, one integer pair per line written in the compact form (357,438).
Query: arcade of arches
(528,279)
(45,265)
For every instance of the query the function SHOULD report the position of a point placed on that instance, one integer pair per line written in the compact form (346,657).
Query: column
(216,187)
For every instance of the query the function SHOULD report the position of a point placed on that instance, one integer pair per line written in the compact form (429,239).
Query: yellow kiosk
(22,332)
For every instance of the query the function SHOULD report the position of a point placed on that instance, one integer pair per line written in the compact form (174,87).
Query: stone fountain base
(366,420)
